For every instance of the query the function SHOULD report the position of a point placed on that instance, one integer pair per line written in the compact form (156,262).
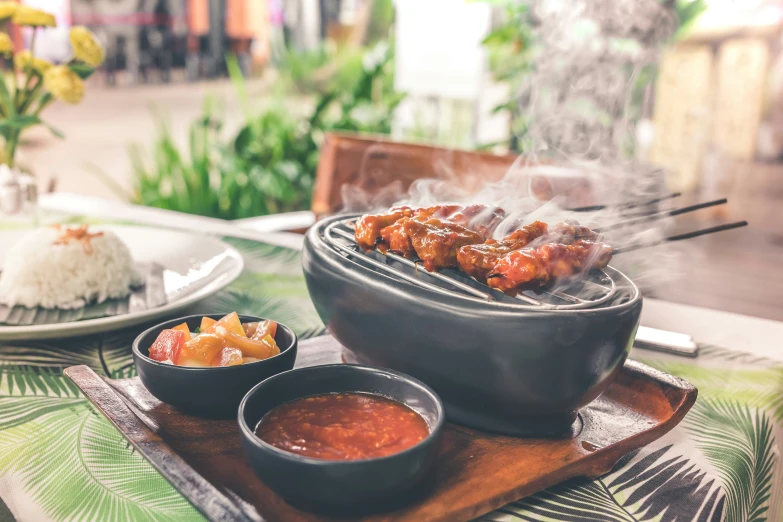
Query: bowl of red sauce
(343,439)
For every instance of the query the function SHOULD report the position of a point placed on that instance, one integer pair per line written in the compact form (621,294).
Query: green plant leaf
(108,180)
(82,70)
(269,165)
(55,131)
(6,98)
(20,122)
(238,81)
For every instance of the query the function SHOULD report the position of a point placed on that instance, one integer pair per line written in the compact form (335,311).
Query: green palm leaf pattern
(105,353)
(298,314)
(74,465)
(660,485)
(72,461)
(268,259)
(757,384)
(739,444)
(27,393)
(272,286)
(712,352)
(732,426)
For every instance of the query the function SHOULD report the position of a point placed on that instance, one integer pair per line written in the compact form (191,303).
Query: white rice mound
(39,273)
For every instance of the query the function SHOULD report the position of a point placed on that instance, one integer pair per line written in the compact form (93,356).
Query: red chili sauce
(343,426)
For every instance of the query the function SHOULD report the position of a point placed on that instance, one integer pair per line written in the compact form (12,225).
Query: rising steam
(581,103)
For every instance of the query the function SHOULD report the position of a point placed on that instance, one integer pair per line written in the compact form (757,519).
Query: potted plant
(29,84)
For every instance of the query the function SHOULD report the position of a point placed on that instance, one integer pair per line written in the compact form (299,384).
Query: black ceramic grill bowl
(343,487)
(500,364)
(208,392)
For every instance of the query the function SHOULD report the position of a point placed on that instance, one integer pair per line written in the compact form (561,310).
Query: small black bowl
(343,487)
(208,392)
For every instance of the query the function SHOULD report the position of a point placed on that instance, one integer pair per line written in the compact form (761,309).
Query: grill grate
(597,288)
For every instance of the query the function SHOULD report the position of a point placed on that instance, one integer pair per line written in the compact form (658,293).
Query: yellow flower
(86,47)
(6,45)
(33,17)
(64,84)
(24,60)
(7,10)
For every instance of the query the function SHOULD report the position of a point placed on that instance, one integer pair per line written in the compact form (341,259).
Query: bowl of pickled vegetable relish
(204,364)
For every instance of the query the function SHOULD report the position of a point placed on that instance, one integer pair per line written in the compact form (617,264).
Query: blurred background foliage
(268,165)
(509,47)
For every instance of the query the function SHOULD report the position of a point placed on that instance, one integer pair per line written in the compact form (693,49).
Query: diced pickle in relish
(206,322)
(201,350)
(230,357)
(261,329)
(184,329)
(230,323)
(261,349)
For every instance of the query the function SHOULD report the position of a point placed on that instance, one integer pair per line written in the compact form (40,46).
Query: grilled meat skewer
(375,230)
(395,238)
(368,227)
(436,242)
(390,231)
(479,260)
(534,268)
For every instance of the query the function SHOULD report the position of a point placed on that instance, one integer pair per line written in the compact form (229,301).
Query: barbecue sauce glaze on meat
(369,226)
(537,267)
(445,236)
(343,426)
(448,227)
(478,260)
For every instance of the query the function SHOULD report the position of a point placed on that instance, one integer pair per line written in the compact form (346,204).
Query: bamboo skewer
(665,214)
(679,237)
(632,204)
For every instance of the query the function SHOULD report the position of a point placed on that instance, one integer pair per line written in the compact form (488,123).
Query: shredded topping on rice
(80,234)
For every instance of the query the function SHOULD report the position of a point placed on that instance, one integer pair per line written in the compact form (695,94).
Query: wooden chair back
(382,168)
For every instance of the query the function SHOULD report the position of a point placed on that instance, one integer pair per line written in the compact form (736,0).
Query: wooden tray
(477,472)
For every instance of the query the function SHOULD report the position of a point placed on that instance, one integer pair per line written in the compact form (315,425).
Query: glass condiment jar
(18,196)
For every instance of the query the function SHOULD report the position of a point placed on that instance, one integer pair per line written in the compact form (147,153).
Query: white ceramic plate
(194,267)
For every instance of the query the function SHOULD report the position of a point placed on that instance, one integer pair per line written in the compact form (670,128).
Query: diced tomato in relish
(167,346)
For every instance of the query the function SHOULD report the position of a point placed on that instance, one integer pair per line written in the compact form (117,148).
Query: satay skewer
(679,237)
(622,206)
(662,215)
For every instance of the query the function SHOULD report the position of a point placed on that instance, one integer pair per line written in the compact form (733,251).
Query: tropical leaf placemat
(62,461)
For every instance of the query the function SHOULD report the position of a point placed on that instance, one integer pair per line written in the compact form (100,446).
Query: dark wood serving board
(477,472)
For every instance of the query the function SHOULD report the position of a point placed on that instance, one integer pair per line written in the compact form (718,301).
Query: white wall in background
(52,44)
(303,17)
(441,64)
(492,127)
(438,47)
